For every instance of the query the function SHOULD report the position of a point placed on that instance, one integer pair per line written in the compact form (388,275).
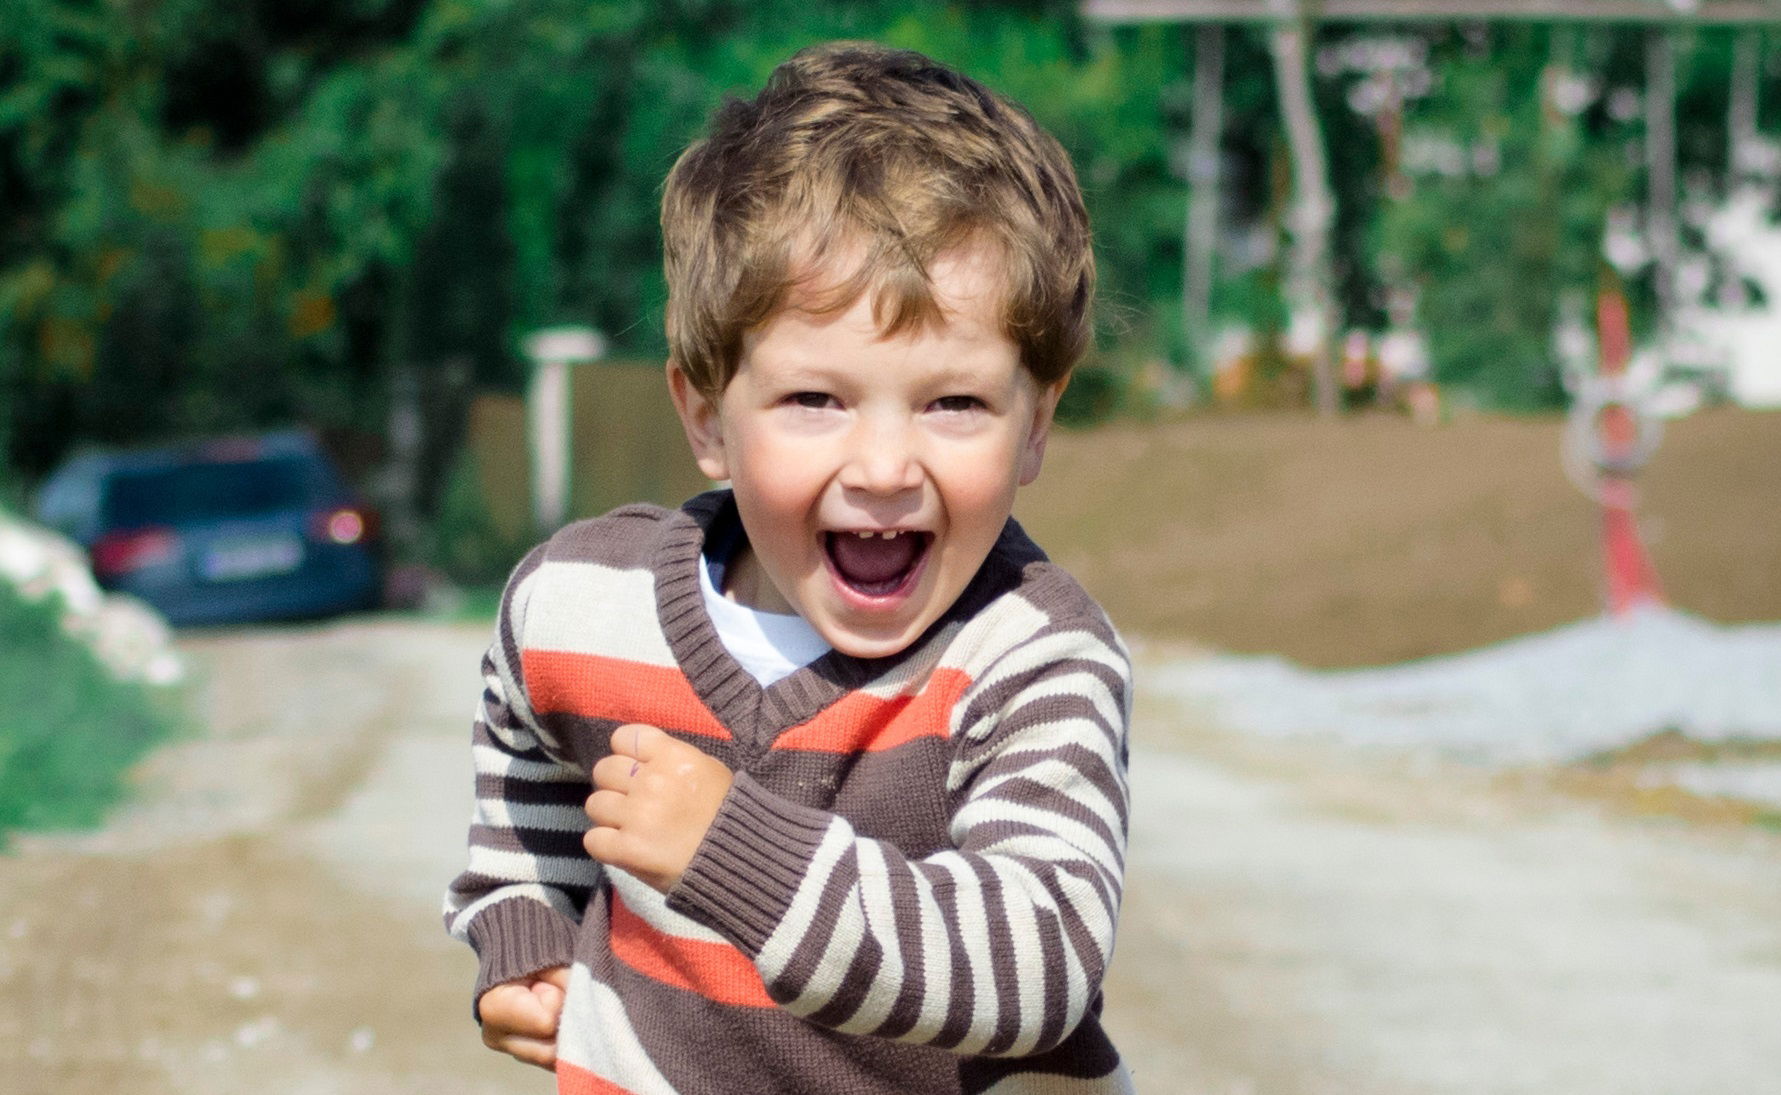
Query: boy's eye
(957,403)
(814,400)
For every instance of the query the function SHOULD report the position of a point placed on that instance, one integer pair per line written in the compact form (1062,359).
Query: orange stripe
(563,682)
(575,1080)
(716,971)
(862,723)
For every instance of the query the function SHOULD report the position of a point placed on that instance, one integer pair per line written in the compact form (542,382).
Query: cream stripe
(1001,627)
(780,947)
(651,906)
(972,916)
(1062,646)
(1058,776)
(511,689)
(1036,742)
(845,938)
(1090,845)
(490,761)
(526,867)
(1029,954)
(1069,684)
(544,895)
(1033,851)
(1076,989)
(936,953)
(881,924)
(578,590)
(595,1034)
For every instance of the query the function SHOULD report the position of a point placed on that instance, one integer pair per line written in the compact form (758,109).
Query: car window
(207,492)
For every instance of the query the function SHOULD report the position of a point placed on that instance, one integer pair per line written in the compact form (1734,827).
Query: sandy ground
(1300,919)
(1370,540)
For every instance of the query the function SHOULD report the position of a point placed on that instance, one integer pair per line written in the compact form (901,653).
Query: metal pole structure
(1746,89)
(1660,161)
(1651,12)
(1310,279)
(1204,196)
(549,408)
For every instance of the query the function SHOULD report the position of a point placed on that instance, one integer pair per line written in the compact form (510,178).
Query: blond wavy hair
(850,173)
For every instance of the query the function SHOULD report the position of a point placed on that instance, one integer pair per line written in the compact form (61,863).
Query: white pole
(1310,279)
(549,416)
(1203,194)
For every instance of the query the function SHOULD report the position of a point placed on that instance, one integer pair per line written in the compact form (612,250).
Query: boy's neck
(748,585)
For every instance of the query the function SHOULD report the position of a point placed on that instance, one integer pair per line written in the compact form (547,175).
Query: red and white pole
(1631,579)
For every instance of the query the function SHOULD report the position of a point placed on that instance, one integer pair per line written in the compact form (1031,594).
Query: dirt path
(1299,920)
(298,952)
(1304,920)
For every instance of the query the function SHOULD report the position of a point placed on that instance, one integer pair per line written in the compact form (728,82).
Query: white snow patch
(1749,782)
(1586,688)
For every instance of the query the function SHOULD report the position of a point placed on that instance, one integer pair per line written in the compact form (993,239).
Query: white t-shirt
(770,645)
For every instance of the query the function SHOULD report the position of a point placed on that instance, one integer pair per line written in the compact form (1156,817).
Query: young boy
(857,749)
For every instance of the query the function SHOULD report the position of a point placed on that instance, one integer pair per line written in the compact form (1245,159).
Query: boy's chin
(856,643)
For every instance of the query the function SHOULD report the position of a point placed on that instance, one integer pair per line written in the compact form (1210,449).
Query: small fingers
(614,773)
(637,740)
(515,1009)
(533,1051)
(605,807)
(602,843)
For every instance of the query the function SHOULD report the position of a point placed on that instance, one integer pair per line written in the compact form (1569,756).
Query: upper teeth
(888,535)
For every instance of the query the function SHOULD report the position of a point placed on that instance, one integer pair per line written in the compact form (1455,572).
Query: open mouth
(877,564)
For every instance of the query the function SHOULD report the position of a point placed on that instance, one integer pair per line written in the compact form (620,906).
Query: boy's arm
(520,898)
(997,947)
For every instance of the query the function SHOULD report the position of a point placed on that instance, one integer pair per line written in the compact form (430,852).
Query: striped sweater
(912,884)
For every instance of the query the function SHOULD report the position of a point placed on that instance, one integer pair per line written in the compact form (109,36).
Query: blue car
(233,530)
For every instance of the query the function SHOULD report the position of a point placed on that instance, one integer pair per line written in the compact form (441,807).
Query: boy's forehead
(970,279)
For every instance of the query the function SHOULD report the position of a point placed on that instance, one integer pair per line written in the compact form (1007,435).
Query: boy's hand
(653,799)
(519,1018)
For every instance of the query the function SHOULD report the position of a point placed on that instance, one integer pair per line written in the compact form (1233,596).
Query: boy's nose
(882,460)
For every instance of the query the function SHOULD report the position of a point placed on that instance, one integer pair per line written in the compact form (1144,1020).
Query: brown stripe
(837,894)
(706,1048)
(959,1002)
(1056,988)
(1004,964)
(474,885)
(557,844)
(868,957)
(532,792)
(991,701)
(1026,791)
(906,914)
(1086,1054)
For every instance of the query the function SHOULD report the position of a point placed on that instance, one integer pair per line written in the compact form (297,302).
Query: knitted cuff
(748,868)
(517,938)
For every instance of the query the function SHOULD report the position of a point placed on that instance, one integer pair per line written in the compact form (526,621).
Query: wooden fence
(627,446)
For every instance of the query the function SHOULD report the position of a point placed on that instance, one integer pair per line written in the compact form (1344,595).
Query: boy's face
(830,431)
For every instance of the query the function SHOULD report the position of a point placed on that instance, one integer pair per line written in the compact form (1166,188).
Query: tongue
(875,561)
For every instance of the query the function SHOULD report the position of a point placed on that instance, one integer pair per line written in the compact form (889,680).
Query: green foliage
(1095,393)
(69,732)
(464,541)
(1492,252)
(232,216)
(216,215)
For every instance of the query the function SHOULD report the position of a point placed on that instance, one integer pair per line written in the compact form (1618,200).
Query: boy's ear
(704,429)
(1033,455)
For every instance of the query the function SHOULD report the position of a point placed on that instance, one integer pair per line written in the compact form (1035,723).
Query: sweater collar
(756,715)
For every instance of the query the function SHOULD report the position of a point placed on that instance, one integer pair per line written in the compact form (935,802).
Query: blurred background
(1427,454)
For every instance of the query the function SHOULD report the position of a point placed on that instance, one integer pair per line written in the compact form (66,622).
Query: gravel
(1588,688)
